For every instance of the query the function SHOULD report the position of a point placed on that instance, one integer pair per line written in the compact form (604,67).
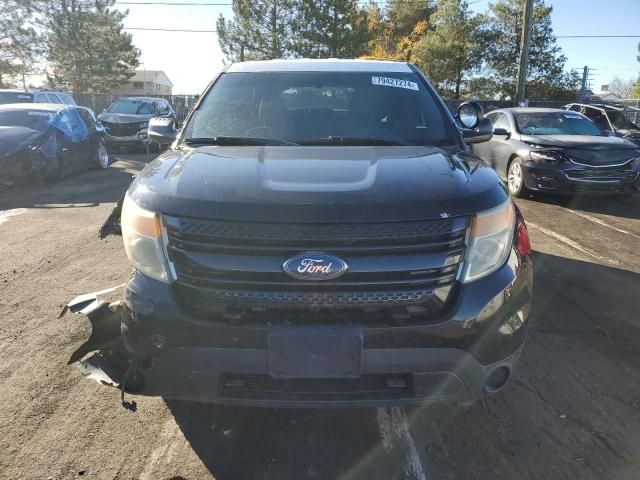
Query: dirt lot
(573,410)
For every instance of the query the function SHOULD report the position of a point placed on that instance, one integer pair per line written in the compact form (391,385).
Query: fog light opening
(158,340)
(497,379)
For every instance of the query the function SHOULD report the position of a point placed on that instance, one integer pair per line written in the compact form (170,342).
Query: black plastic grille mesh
(352,232)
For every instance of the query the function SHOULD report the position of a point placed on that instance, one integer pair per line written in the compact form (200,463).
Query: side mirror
(502,132)
(162,130)
(475,128)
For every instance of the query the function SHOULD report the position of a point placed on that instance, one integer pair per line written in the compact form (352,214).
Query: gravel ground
(572,410)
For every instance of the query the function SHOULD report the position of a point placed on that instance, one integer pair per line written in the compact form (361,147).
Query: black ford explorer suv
(320,235)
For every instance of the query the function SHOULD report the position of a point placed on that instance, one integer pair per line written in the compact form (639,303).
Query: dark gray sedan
(558,151)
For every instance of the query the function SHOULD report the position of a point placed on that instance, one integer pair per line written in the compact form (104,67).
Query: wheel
(102,156)
(515,178)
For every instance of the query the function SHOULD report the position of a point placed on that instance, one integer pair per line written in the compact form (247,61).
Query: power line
(597,36)
(188,30)
(176,4)
(227,4)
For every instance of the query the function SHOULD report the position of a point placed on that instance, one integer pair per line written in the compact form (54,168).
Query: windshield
(555,123)
(620,122)
(133,107)
(34,119)
(309,107)
(15,97)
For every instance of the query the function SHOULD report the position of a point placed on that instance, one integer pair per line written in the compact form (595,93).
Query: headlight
(142,236)
(143,125)
(489,241)
(548,156)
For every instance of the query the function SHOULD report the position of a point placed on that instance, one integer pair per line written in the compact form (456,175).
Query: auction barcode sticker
(394,82)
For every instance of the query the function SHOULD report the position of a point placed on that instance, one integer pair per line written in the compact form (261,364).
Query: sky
(192,59)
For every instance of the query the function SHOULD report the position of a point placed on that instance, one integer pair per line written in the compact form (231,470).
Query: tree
(452,50)
(259,30)
(20,44)
(621,88)
(395,30)
(635,91)
(403,16)
(546,62)
(331,28)
(87,48)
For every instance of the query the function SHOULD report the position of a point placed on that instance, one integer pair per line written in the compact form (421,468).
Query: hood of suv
(317,184)
(124,117)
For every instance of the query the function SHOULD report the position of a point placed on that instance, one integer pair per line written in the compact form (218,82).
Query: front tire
(515,178)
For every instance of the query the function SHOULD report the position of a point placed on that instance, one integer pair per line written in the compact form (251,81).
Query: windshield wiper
(353,141)
(235,141)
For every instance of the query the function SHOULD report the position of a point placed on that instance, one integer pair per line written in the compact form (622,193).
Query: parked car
(321,235)
(609,118)
(34,96)
(126,120)
(47,141)
(558,151)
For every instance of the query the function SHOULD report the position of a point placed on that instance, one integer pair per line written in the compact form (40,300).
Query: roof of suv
(141,98)
(325,65)
(44,107)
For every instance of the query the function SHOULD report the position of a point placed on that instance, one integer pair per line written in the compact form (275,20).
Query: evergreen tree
(452,50)
(546,77)
(20,44)
(396,29)
(87,48)
(331,28)
(259,30)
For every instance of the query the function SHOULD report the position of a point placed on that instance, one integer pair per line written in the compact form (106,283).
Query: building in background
(146,82)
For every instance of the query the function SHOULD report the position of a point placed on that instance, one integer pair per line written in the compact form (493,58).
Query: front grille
(121,129)
(603,174)
(596,157)
(222,263)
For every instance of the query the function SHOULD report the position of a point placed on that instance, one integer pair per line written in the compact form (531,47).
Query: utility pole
(583,87)
(525,40)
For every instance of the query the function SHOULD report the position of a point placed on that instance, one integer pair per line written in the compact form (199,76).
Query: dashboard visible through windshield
(325,108)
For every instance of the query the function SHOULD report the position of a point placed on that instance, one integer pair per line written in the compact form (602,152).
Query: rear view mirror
(162,130)
(502,132)
(469,114)
(475,127)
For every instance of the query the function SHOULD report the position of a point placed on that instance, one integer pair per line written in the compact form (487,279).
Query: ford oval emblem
(314,266)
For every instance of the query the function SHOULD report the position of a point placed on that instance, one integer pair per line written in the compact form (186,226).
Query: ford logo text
(314,266)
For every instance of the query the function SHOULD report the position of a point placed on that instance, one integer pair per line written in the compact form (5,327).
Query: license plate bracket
(295,353)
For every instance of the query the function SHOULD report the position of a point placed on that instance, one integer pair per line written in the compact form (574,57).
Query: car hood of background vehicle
(321,184)
(578,141)
(631,135)
(589,149)
(13,139)
(124,117)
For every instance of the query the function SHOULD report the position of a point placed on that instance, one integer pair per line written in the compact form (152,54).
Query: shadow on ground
(607,205)
(85,189)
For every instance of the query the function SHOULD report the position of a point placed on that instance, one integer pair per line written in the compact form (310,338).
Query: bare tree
(620,87)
